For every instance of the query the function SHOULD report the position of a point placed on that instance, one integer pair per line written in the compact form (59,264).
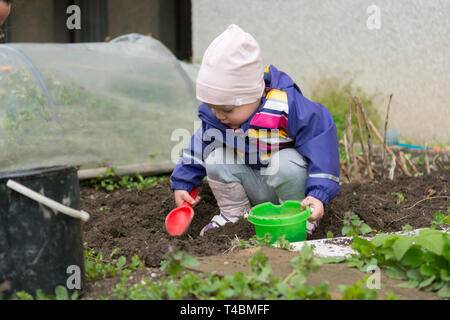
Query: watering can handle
(46,201)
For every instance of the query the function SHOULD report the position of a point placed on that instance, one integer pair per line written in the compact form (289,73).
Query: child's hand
(182,195)
(316,205)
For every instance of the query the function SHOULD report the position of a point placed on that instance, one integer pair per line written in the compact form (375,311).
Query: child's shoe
(232,201)
(311,226)
(218,221)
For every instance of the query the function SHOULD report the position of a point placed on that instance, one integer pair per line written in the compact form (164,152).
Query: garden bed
(133,221)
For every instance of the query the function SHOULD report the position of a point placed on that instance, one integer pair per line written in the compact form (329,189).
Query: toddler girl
(260,140)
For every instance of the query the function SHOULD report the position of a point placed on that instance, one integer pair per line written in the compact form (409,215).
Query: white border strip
(324,248)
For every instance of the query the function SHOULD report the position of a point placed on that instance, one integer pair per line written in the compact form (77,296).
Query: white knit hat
(231,72)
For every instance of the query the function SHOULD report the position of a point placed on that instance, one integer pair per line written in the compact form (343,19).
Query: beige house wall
(408,56)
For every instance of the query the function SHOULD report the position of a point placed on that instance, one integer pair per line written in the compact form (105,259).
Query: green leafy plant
(422,260)
(330,235)
(259,283)
(400,196)
(175,261)
(359,291)
(264,241)
(440,219)
(420,160)
(61,293)
(255,241)
(335,96)
(354,226)
(97,268)
(139,182)
(111,180)
(407,227)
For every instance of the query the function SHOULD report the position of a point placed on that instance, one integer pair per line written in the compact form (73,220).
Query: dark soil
(134,221)
(376,203)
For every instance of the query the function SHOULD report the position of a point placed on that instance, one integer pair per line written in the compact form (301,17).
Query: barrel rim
(36,171)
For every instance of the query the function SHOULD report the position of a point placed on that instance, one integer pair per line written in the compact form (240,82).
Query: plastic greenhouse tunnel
(92,104)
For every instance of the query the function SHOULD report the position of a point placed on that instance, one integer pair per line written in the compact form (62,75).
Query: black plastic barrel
(40,248)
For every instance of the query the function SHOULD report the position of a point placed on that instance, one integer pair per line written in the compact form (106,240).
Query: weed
(440,219)
(111,181)
(175,261)
(358,291)
(400,196)
(335,95)
(255,241)
(60,294)
(264,241)
(420,160)
(354,226)
(407,227)
(330,235)
(97,268)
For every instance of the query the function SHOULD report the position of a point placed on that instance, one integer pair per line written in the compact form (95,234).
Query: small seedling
(61,293)
(97,268)
(114,252)
(353,225)
(255,241)
(330,235)
(282,243)
(400,196)
(407,227)
(439,219)
(176,261)
(420,161)
(357,291)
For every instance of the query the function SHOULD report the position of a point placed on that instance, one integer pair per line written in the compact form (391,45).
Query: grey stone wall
(409,55)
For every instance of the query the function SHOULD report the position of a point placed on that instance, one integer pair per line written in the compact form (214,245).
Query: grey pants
(285,179)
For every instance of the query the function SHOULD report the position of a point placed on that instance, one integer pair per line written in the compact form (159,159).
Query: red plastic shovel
(179,219)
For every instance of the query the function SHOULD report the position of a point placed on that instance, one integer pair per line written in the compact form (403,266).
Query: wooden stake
(411,164)
(369,135)
(361,137)
(352,149)
(427,161)
(441,164)
(403,160)
(385,130)
(392,169)
(435,166)
(347,155)
(344,170)
(374,129)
